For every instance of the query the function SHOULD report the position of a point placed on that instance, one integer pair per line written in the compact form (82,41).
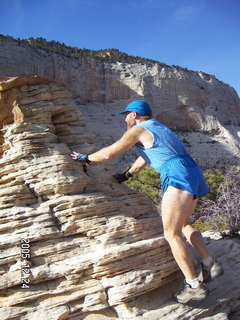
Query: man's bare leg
(194,237)
(177,207)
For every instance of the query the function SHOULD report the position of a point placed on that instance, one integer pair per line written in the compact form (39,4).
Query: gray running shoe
(187,293)
(212,272)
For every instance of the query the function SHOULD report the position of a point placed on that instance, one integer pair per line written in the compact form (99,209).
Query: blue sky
(201,35)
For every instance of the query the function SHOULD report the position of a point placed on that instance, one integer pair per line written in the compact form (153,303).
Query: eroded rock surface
(93,243)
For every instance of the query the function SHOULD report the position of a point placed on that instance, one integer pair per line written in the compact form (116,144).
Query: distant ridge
(111,55)
(108,55)
(105,55)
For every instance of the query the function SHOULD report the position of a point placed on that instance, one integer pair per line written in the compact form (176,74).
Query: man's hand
(124,176)
(82,158)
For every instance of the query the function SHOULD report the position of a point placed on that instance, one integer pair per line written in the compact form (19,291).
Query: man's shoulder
(133,133)
(136,130)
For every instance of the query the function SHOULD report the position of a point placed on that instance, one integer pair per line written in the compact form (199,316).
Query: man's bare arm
(138,165)
(129,138)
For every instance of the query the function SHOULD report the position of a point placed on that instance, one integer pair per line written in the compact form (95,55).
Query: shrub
(213,179)
(223,213)
(146,182)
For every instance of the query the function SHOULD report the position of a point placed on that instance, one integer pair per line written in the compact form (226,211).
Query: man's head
(136,112)
(141,107)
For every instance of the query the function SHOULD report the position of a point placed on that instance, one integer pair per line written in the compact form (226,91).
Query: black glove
(83,158)
(124,176)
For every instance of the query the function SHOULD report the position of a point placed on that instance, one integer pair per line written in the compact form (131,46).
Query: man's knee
(188,230)
(171,235)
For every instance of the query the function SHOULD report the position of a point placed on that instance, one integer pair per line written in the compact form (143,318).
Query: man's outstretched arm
(129,138)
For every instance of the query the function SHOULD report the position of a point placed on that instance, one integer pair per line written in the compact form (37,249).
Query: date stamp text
(25,268)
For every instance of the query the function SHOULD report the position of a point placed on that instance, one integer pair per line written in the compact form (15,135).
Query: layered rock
(72,241)
(222,302)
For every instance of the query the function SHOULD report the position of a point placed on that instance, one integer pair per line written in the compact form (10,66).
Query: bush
(146,182)
(213,179)
(223,213)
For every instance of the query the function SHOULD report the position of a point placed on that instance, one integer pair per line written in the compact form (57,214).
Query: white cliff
(204,111)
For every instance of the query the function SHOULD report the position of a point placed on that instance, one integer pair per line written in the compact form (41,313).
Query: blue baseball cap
(141,107)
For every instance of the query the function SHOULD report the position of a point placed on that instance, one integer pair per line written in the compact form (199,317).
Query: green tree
(146,182)
(213,179)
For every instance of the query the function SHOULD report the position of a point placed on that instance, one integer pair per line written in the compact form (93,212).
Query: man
(182,184)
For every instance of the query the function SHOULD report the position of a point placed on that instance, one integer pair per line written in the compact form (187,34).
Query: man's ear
(135,114)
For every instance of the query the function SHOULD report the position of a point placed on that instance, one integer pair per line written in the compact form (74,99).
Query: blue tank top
(166,145)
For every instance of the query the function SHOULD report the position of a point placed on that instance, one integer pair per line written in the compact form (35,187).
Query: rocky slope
(204,111)
(75,244)
(93,243)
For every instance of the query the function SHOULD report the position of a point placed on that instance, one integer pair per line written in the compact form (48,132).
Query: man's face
(130,119)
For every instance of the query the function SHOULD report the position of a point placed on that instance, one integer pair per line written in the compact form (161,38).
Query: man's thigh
(177,206)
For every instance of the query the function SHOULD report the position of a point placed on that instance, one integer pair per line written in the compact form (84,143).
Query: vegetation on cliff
(110,55)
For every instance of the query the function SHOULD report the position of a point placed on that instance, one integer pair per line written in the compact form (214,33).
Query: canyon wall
(202,110)
(193,96)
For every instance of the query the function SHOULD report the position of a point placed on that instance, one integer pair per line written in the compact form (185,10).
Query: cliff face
(194,96)
(205,111)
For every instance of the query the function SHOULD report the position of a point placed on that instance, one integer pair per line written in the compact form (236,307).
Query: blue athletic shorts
(183,173)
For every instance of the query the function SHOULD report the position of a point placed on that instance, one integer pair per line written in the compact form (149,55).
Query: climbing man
(182,184)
